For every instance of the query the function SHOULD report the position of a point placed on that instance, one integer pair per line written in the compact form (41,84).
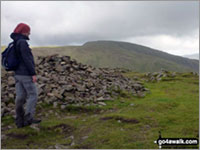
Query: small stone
(63,63)
(43,79)
(145,89)
(102,103)
(57,146)
(63,107)
(100,99)
(141,94)
(50,111)
(102,111)
(35,127)
(119,121)
(3,137)
(11,81)
(159,79)
(12,112)
(55,104)
(70,117)
(137,86)
(50,94)
(56,114)
(131,104)
(73,143)
(71,137)
(80,88)
(10,95)
(11,105)
(85,137)
(173,74)
(69,88)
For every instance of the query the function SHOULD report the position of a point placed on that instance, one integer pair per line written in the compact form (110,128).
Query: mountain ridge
(192,56)
(116,54)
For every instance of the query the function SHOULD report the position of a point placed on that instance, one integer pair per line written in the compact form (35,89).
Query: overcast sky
(169,26)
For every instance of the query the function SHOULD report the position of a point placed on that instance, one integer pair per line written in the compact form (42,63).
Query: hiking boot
(20,125)
(36,121)
(19,120)
(27,120)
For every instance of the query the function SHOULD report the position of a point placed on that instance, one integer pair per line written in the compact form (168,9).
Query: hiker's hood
(17,36)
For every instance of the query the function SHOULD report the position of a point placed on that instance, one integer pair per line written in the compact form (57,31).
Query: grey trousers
(26,92)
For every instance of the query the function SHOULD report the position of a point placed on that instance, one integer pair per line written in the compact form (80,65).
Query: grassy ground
(172,107)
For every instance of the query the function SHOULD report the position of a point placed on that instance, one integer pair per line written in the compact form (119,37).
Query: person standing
(25,78)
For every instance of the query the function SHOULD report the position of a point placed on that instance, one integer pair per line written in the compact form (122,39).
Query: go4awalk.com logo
(176,142)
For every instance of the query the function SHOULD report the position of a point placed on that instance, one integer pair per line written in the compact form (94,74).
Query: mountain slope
(192,56)
(125,55)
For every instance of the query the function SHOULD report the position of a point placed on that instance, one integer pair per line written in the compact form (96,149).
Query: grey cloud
(63,23)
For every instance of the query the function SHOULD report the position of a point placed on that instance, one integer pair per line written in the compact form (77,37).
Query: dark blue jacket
(27,65)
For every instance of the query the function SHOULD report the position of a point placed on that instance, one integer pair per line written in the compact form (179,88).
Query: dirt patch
(170,79)
(64,127)
(83,146)
(124,120)
(197,83)
(107,118)
(83,110)
(17,136)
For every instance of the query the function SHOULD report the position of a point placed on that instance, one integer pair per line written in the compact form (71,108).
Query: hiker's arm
(27,57)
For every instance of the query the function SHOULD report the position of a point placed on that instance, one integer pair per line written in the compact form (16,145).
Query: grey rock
(68,87)
(85,137)
(43,79)
(55,104)
(11,81)
(137,86)
(100,99)
(63,107)
(3,136)
(35,127)
(102,103)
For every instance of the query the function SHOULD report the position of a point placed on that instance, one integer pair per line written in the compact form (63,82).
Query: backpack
(9,57)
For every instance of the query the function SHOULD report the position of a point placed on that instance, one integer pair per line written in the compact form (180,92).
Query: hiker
(25,78)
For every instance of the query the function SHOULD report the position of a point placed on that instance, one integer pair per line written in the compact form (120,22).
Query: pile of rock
(63,81)
(158,76)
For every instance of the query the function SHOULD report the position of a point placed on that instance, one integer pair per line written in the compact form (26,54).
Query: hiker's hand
(34,79)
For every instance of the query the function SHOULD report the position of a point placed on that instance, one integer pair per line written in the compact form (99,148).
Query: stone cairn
(162,74)
(158,76)
(63,81)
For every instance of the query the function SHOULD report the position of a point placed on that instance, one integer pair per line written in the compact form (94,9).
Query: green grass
(171,107)
(3,48)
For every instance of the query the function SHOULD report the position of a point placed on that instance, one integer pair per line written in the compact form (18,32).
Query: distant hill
(123,55)
(192,56)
